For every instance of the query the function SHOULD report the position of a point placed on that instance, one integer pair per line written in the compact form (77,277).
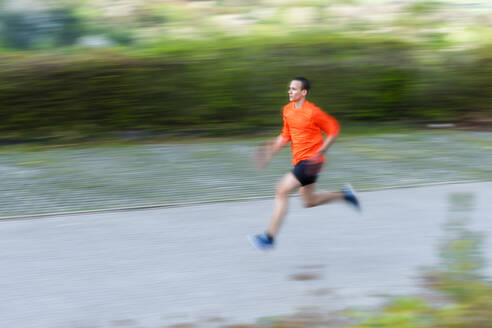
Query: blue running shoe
(261,242)
(350,196)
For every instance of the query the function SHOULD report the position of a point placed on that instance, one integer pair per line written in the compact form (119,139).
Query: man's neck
(299,103)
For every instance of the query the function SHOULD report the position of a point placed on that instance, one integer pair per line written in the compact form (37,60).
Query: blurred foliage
(466,295)
(237,83)
(223,66)
(145,21)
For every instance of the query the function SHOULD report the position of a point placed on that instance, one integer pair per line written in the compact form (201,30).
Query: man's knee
(287,185)
(281,191)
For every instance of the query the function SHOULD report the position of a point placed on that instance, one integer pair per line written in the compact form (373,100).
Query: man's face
(295,91)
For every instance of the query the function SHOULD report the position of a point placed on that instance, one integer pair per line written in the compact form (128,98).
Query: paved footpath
(159,267)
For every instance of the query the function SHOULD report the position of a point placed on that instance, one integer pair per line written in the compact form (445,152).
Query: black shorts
(306,172)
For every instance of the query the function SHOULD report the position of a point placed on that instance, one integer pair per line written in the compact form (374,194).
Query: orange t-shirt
(303,126)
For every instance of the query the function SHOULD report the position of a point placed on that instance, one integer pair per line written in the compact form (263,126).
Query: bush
(238,82)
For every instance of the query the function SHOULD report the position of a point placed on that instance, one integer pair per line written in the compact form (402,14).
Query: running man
(303,127)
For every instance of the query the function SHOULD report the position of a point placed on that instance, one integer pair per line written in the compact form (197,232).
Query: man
(303,127)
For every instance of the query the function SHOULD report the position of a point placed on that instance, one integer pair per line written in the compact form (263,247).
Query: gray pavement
(160,267)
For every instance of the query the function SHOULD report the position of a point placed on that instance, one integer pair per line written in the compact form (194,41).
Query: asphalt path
(193,264)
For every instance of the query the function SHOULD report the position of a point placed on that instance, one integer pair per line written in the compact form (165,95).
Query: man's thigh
(288,183)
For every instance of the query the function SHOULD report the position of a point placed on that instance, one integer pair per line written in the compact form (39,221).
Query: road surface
(161,267)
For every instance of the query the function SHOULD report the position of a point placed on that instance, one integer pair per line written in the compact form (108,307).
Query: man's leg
(285,186)
(312,198)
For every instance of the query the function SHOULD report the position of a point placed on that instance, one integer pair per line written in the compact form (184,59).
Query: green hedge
(240,83)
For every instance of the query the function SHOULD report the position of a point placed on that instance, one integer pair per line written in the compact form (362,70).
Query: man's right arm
(266,152)
(276,145)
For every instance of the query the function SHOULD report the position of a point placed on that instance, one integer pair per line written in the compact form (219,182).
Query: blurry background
(72,68)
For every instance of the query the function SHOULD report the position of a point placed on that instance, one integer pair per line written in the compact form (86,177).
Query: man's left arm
(327,144)
(330,127)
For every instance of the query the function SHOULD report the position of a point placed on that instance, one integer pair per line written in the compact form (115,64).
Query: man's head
(298,89)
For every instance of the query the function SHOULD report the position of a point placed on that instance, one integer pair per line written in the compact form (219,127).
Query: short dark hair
(305,83)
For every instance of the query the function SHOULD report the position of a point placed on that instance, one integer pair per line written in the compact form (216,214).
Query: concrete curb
(187,204)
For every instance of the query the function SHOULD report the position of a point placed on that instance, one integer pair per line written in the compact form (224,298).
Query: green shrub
(238,82)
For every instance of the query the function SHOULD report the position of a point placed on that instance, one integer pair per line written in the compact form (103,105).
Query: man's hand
(314,165)
(262,156)
(316,158)
(265,152)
